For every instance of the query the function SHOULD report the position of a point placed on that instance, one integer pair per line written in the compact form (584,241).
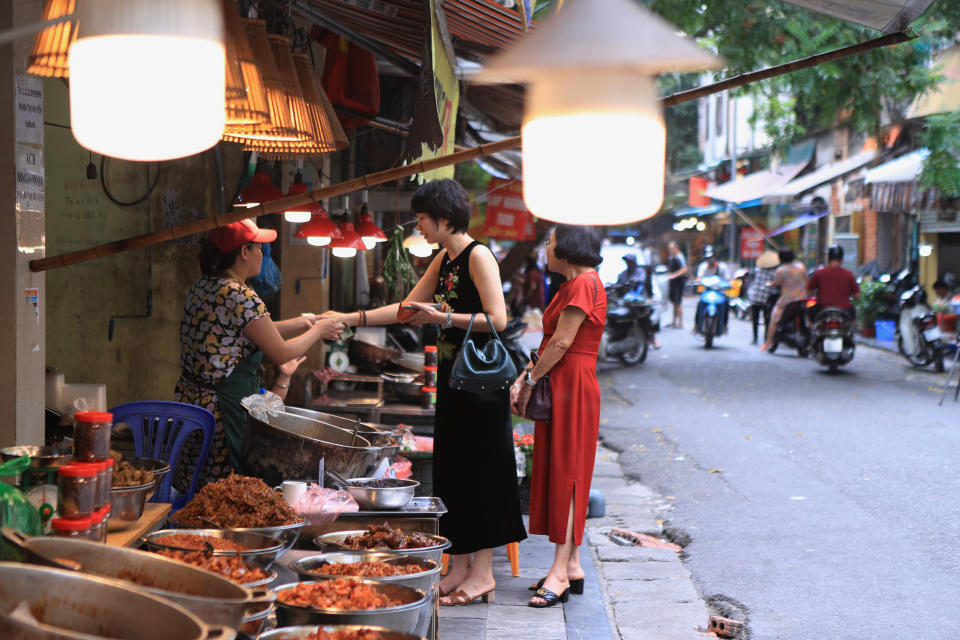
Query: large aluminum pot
(404,617)
(295,633)
(265,544)
(77,606)
(377,435)
(290,446)
(213,598)
(333,541)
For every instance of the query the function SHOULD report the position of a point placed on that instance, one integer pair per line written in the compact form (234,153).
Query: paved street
(810,505)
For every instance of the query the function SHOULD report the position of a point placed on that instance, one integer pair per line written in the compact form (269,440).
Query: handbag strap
(473,317)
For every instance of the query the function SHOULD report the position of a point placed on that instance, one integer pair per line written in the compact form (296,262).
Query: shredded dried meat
(237,502)
(376,569)
(336,594)
(232,567)
(359,634)
(379,536)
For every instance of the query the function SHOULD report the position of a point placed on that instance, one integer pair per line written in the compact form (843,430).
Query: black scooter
(792,328)
(832,340)
(628,328)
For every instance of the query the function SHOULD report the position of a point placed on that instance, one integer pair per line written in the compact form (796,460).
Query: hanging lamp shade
(417,245)
(349,244)
(303,212)
(369,232)
(245,100)
(48,57)
(320,231)
(259,190)
(147,77)
(284,125)
(591,71)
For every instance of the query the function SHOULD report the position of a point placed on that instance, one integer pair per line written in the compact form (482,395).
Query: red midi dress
(565,448)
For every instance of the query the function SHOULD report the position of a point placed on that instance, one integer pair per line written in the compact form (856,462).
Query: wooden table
(154,515)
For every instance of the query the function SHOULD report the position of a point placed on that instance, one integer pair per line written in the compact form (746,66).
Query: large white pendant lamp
(147,77)
(593,135)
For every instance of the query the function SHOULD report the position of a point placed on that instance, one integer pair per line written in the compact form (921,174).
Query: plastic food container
(430,356)
(91,434)
(71,527)
(106,522)
(78,490)
(98,526)
(104,470)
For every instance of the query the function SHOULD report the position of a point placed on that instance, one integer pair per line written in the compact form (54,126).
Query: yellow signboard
(446,90)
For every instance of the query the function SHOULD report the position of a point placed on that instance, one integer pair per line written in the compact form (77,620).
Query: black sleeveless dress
(474,470)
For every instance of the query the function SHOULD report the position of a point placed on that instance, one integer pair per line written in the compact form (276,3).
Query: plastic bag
(16,511)
(263,405)
(322,506)
(267,282)
(402,468)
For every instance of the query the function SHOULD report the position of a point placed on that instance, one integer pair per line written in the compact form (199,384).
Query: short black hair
(444,200)
(940,284)
(786,256)
(578,244)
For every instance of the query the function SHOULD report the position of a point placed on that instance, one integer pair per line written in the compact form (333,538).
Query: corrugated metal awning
(759,183)
(887,16)
(817,177)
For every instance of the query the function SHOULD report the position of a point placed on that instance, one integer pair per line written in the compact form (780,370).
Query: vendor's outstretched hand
(289,367)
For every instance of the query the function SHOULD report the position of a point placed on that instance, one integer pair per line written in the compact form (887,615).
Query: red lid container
(79,470)
(93,416)
(70,524)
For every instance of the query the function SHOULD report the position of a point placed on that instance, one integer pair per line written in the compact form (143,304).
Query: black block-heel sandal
(576,586)
(549,598)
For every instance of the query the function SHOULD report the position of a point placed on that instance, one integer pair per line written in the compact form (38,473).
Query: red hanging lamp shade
(349,244)
(368,229)
(320,230)
(300,213)
(259,190)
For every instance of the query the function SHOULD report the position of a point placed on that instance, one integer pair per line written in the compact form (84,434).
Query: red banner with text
(751,244)
(507,217)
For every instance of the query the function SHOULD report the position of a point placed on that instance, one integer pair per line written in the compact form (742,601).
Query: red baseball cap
(237,234)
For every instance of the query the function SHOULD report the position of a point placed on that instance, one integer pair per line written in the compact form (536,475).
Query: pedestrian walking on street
(759,292)
(677,269)
(565,447)
(791,277)
(472,431)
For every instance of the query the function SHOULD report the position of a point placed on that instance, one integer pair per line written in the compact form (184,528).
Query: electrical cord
(132,203)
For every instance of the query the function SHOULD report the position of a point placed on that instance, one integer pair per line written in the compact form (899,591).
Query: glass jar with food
(71,527)
(78,490)
(91,434)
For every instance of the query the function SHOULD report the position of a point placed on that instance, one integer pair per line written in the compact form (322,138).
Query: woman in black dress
(677,269)
(474,469)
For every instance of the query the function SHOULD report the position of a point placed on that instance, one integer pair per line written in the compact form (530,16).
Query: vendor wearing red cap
(226,331)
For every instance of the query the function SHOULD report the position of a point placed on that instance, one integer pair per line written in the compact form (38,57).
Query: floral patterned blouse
(211,333)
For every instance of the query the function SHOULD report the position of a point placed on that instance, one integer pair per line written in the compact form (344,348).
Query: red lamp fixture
(320,230)
(369,232)
(300,213)
(259,190)
(349,244)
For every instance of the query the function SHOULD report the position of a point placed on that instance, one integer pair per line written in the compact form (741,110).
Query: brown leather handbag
(540,405)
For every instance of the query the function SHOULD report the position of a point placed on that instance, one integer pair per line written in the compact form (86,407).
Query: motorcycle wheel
(919,359)
(639,354)
(834,367)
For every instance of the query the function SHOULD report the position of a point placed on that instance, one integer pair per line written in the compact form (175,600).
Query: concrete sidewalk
(630,592)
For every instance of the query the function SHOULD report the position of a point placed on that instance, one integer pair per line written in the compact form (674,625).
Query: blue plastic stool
(160,429)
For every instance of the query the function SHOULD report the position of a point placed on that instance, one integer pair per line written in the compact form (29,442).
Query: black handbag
(482,370)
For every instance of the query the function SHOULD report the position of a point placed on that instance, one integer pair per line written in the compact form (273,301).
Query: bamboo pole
(364,182)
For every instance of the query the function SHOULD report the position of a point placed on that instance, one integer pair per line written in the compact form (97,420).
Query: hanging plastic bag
(267,282)
(263,405)
(16,511)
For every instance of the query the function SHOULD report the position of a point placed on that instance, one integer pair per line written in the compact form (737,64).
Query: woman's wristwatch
(529,381)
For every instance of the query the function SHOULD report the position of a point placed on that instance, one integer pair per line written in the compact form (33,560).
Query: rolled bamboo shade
(50,47)
(330,135)
(288,119)
(246,101)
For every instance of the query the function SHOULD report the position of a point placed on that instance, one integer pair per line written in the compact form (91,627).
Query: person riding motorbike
(631,277)
(711,266)
(791,278)
(833,285)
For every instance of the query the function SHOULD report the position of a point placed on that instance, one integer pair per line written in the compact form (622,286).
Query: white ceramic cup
(292,490)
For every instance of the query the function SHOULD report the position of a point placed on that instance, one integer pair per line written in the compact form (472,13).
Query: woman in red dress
(565,447)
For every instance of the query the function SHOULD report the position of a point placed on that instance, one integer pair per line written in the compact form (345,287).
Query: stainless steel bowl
(255,619)
(213,598)
(39,456)
(295,633)
(286,534)
(160,468)
(261,549)
(404,617)
(334,542)
(394,497)
(76,606)
(126,504)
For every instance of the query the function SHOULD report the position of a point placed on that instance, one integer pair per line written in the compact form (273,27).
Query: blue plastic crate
(885,330)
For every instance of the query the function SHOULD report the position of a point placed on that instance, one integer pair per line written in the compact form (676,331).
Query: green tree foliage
(941,134)
(683,150)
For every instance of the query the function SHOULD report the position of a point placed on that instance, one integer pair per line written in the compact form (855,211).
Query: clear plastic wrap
(263,405)
(322,506)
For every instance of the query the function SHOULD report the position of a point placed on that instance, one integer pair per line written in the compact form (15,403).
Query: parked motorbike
(832,338)
(712,310)
(739,303)
(510,337)
(792,328)
(918,336)
(628,327)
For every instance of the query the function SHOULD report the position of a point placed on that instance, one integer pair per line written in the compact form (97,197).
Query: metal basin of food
(394,497)
(407,386)
(371,358)
(334,542)
(213,598)
(426,580)
(126,504)
(375,434)
(261,549)
(70,605)
(160,468)
(39,456)
(296,633)
(291,446)
(404,617)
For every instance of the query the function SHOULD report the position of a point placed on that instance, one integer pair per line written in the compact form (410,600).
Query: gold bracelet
(282,386)
(363,317)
